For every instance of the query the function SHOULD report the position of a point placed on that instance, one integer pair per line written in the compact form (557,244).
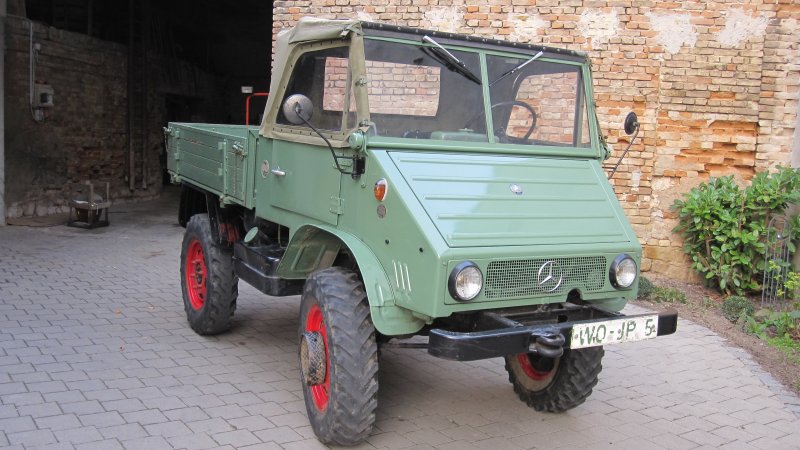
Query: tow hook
(549,345)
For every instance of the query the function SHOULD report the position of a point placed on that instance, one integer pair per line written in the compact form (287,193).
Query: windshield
(419,91)
(541,103)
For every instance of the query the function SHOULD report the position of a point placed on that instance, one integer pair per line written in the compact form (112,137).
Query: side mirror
(631,123)
(297,109)
(631,128)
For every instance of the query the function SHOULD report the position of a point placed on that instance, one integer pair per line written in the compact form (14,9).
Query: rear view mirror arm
(631,125)
(356,172)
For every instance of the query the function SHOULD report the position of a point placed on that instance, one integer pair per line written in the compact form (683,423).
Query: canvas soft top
(308,29)
(314,29)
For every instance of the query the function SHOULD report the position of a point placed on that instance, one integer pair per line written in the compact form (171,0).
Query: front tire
(555,385)
(339,357)
(209,286)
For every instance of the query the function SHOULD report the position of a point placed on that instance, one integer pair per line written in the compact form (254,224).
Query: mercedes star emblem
(550,274)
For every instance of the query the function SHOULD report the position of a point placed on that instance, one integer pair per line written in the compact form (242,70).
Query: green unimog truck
(408,183)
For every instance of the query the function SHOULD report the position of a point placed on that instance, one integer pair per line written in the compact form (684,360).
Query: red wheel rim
(525,363)
(195,272)
(320,392)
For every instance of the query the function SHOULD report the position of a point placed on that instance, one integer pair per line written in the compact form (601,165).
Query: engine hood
(489,200)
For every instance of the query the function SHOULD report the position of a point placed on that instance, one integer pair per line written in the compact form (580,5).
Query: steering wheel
(511,103)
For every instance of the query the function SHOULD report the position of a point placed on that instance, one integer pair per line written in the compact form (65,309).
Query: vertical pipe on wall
(89,16)
(3,113)
(145,72)
(796,143)
(795,161)
(131,62)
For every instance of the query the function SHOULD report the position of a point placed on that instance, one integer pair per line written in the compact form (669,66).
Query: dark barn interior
(89,86)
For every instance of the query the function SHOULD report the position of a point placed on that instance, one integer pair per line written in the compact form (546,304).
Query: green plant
(724,227)
(736,307)
(768,324)
(645,288)
(787,284)
(668,295)
(708,303)
(791,284)
(789,346)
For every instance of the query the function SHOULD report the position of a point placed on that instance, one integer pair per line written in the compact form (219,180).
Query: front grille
(535,277)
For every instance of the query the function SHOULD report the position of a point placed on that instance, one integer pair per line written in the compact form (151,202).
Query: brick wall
(715,84)
(85,135)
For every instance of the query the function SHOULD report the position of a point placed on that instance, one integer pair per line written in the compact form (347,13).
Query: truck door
(304,178)
(304,181)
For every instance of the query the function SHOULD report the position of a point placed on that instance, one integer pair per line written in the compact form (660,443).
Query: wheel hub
(198,272)
(312,358)
(195,270)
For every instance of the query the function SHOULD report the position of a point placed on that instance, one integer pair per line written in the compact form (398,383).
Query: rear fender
(315,247)
(226,225)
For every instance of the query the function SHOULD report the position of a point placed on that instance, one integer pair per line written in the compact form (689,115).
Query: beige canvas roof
(308,29)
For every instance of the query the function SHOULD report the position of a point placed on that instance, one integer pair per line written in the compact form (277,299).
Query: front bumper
(508,332)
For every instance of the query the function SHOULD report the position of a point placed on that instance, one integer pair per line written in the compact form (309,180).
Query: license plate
(614,331)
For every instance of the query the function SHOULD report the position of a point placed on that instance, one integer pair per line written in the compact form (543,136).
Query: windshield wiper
(453,62)
(517,68)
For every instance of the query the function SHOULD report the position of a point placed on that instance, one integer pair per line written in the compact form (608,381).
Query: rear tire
(209,286)
(340,401)
(555,385)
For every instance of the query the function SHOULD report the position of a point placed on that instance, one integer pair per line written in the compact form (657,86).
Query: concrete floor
(95,352)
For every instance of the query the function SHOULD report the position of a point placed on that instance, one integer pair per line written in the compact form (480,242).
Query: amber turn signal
(381,189)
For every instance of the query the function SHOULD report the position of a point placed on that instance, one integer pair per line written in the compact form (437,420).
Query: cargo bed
(216,158)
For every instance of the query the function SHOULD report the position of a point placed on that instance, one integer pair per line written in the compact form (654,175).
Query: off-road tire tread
(353,396)
(571,386)
(222,284)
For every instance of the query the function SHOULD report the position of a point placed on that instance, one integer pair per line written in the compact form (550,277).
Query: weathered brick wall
(715,84)
(85,135)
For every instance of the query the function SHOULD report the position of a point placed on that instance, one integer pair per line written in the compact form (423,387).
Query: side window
(322,76)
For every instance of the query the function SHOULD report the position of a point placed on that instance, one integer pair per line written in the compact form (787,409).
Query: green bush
(735,307)
(768,324)
(791,285)
(645,287)
(724,227)
(668,295)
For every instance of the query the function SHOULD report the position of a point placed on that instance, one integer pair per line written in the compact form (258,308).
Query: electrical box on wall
(43,96)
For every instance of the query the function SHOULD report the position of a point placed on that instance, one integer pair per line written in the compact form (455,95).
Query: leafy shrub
(791,284)
(645,287)
(736,307)
(724,227)
(767,324)
(788,282)
(668,295)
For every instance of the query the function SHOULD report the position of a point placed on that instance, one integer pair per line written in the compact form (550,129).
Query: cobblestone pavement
(95,353)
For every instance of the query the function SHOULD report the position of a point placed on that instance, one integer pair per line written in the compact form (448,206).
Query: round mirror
(297,109)
(631,123)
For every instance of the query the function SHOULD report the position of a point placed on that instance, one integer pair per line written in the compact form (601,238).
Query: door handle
(278,172)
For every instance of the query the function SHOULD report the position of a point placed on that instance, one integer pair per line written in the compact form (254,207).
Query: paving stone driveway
(95,353)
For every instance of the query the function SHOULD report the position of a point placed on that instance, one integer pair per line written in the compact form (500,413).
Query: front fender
(314,247)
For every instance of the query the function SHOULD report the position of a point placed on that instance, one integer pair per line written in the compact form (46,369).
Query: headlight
(465,282)
(623,271)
